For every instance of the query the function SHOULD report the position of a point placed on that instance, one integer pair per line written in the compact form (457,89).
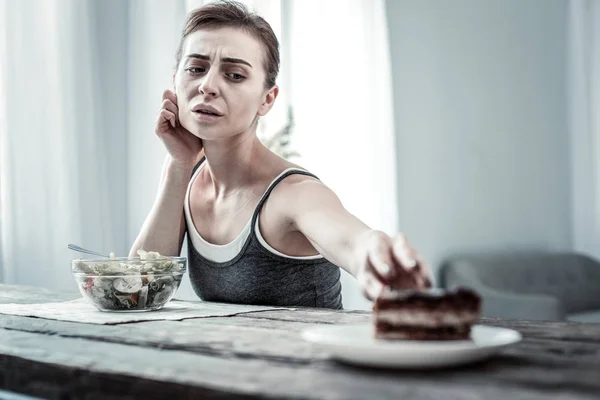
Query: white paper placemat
(81,311)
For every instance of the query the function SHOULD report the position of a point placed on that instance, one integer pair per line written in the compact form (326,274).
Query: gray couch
(541,286)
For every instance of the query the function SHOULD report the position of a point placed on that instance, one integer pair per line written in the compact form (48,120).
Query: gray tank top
(258,276)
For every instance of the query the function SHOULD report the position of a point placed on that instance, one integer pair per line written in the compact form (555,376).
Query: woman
(261,230)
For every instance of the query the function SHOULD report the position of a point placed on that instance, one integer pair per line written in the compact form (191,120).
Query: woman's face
(220,83)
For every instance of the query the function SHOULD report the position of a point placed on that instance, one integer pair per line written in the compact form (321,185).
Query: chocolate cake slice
(434,314)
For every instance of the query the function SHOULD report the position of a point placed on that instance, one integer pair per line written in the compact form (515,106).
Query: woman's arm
(164,227)
(371,256)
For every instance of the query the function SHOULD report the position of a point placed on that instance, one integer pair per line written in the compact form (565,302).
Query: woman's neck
(232,164)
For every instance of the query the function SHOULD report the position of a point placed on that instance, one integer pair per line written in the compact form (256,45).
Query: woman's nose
(208,86)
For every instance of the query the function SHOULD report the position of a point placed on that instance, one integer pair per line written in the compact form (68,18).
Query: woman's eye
(236,77)
(195,70)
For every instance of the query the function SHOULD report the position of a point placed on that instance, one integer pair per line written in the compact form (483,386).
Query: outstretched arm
(372,257)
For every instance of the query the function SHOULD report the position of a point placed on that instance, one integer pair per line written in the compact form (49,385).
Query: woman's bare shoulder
(297,186)
(293,182)
(294,179)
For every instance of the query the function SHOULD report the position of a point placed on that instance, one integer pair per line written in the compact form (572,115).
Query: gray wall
(481,120)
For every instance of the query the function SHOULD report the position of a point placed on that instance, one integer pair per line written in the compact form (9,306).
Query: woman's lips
(206,117)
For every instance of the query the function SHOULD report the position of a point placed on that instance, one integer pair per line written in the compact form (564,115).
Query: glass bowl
(129,284)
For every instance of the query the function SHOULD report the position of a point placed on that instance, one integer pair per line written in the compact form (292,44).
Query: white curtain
(584,113)
(340,84)
(58,160)
(3,139)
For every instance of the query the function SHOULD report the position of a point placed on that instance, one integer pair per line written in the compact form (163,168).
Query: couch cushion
(574,279)
(590,316)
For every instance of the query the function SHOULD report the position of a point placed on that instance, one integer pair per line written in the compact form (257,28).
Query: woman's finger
(169,105)
(419,274)
(169,95)
(427,283)
(167,116)
(379,262)
(404,253)
(172,97)
(370,285)
(407,278)
(425,273)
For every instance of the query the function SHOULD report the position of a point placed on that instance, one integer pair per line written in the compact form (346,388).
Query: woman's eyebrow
(232,60)
(229,60)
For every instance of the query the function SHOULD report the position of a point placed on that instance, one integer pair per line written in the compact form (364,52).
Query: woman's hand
(182,145)
(391,262)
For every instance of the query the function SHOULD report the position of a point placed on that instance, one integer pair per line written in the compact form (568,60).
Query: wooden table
(261,354)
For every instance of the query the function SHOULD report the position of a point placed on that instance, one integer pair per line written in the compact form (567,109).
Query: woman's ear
(268,101)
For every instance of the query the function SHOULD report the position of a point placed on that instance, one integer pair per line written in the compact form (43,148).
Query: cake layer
(396,332)
(425,318)
(438,300)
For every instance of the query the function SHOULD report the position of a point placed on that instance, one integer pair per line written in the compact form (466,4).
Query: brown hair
(228,13)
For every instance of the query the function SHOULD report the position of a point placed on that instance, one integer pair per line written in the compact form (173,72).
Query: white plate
(357,345)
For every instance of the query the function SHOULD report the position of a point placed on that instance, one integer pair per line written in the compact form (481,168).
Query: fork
(80,249)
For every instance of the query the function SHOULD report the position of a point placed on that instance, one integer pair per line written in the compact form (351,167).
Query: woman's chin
(202,132)
(204,135)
